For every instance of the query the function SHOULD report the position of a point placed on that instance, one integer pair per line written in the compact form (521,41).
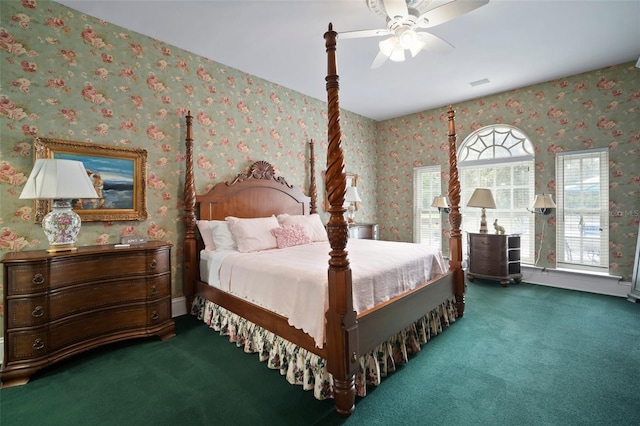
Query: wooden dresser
(367,231)
(59,304)
(494,257)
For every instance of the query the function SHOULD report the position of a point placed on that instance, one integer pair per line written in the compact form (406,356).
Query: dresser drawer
(27,345)
(26,279)
(495,243)
(488,268)
(96,325)
(27,311)
(159,261)
(159,312)
(67,272)
(159,287)
(82,298)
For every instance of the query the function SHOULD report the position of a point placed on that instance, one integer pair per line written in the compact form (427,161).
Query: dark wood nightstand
(494,257)
(59,304)
(365,231)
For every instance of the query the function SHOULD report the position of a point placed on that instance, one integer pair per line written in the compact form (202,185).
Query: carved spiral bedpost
(189,248)
(313,191)
(342,326)
(455,218)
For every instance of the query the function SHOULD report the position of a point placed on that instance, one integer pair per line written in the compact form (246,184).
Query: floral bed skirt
(302,367)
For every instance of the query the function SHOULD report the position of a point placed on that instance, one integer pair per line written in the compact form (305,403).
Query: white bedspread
(293,281)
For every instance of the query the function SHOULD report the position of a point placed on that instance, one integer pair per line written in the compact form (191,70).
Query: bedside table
(363,231)
(494,257)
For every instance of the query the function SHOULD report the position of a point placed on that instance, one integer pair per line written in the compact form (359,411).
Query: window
(582,192)
(501,158)
(427,226)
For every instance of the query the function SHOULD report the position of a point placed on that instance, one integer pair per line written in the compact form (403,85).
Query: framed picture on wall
(118,175)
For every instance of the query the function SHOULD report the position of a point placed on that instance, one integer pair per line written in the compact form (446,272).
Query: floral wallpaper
(599,109)
(70,76)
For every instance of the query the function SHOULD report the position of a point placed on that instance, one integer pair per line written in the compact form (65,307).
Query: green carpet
(522,355)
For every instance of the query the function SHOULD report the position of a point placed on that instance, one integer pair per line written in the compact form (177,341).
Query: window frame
(434,217)
(584,242)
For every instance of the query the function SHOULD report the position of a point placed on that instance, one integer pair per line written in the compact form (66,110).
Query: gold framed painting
(118,175)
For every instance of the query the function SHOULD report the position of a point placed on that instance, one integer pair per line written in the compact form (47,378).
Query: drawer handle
(153,264)
(154,290)
(38,344)
(37,312)
(154,315)
(38,279)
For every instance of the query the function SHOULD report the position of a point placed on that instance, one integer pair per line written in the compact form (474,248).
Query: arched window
(501,158)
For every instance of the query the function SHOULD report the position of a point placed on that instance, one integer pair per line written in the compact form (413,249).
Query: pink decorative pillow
(312,224)
(290,235)
(206,234)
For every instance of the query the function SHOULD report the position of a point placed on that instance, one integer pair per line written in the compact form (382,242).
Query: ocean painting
(112,178)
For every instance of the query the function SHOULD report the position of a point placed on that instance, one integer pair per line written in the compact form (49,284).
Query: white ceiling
(512,43)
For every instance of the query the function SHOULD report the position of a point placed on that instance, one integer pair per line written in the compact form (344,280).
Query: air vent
(479,82)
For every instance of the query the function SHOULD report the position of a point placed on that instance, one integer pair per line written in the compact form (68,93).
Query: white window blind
(582,192)
(427,220)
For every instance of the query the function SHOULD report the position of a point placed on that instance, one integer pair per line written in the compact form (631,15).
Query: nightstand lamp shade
(483,198)
(543,204)
(441,203)
(61,181)
(352,197)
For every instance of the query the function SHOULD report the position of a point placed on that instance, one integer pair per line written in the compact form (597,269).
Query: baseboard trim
(178,306)
(609,285)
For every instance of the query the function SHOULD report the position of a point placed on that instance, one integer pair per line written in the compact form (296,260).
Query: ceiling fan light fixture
(387,46)
(398,54)
(407,38)
(416,47)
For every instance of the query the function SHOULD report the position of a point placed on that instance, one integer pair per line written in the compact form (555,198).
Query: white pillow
(222,236)
(312,225)
(206,234)
(253,234)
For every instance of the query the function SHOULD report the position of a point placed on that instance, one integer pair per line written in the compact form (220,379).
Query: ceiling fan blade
(433,43)
(447,12)
(364,33)
(396,8)
(379,60)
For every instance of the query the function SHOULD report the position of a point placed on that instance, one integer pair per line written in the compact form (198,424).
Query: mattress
(293,281)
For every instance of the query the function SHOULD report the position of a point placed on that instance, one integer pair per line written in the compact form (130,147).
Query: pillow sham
(222,236)
(311,223)
(253,234)
(290,235)
(206,234)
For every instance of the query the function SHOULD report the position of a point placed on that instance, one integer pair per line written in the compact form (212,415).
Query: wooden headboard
(255,193)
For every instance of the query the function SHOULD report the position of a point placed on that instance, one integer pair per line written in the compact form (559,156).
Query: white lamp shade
(440,202)
(352,195)
(58,179)
(544,201)
(482,197)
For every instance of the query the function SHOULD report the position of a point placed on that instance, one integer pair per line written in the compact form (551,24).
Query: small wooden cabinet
(59,304)
(366,231)
(495,257)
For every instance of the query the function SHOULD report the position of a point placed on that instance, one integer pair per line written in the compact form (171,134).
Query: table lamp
(483,198)
(61,181)
(352,197)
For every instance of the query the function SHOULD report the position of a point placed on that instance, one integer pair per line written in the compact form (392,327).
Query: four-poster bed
(349,336)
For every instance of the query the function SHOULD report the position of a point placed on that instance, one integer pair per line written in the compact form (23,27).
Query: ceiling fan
(405,20)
